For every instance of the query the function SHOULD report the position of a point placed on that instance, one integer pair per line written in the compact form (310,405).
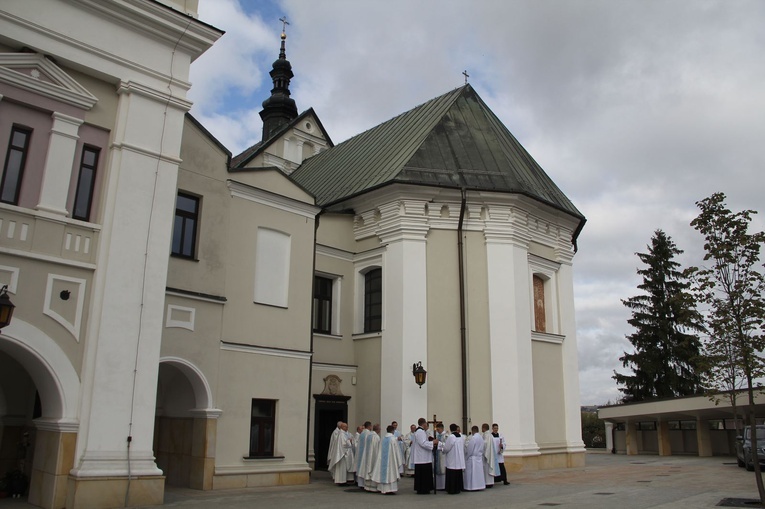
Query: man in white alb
(454,460)
(474,477)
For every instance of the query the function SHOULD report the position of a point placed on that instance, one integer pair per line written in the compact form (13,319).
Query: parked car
(744,447)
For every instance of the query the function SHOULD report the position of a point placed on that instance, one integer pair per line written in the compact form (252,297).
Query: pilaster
(403,228)
(124,331)
(570,357)
(511,363)
(59,163)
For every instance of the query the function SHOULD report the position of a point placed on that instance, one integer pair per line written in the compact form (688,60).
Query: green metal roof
(452,141)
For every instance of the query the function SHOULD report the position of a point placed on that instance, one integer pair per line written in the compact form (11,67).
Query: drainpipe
(463,318)
(310,361)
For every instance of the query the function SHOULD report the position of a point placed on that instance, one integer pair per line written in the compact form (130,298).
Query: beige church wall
(104,112)
(197,342)
(247,375)
(337,349)
(549,408)
(335,230)
(444,383)
(206,274)
(476,302)
(262,324)
(369,379)
(32,298)
(272,181)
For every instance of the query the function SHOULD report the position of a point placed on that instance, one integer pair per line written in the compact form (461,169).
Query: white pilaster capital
(503,233)
(132,87)
(397,220)
(66,125)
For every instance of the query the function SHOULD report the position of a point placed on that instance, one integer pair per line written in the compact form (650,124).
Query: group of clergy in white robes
(484,458)
(378,459)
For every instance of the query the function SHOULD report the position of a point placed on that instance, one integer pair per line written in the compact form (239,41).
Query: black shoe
(505,483)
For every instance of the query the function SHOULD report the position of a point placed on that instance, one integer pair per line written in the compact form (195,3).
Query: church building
(190,317)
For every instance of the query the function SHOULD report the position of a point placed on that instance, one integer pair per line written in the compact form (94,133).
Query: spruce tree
(665,361)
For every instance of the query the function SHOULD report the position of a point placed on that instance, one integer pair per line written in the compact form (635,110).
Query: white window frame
(548,271)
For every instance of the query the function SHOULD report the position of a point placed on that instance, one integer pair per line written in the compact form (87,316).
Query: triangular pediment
(34,72)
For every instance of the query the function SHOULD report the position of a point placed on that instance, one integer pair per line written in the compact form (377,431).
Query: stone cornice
(44,78)
(158,22)
(239,190)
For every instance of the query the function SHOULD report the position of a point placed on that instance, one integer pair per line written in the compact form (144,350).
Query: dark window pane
(373,301)
(322,304)
(83,198)
(13,169)
(185,226)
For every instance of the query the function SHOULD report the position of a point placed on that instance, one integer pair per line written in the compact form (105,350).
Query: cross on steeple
(466,75)
(284,21)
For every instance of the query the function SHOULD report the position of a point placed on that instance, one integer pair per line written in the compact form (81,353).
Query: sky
(636,109)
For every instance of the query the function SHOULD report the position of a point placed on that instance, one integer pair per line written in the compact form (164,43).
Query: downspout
(310,363)
(463,318)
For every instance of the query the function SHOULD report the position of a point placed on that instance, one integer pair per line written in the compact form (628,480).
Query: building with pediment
(192,318)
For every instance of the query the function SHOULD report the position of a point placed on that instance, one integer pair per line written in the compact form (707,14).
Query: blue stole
(384,460)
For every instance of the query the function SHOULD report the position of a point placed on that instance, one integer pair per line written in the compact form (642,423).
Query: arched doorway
(185,425)
(39,394)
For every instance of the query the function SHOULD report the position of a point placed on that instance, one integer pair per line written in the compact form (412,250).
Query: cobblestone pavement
(626,482)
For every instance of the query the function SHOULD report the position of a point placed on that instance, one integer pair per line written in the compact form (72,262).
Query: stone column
(662,433)
(509,300)
(703,438)
(630,438)
(405,312)
(59,163)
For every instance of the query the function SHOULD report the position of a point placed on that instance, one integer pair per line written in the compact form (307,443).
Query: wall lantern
(6,307)
(419,374)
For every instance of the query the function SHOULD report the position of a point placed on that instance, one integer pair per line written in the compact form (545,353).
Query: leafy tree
(593,430)
(666,348)
(733,289)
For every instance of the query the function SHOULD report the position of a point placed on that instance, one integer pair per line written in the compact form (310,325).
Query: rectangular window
(15,159)
(262,419)
(185,227)
(83,198)
(540,321)
(322,304)
(373,301)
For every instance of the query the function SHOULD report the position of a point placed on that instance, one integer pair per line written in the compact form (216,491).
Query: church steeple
(280,108)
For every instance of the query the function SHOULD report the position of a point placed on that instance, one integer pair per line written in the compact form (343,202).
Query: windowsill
(367,335)
(277,306)
(263,458)
(547,337)
(327,335)
(181,257)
